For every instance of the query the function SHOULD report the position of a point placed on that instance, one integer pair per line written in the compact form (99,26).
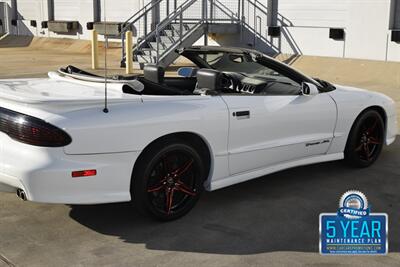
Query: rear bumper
(45,174)
(10,184)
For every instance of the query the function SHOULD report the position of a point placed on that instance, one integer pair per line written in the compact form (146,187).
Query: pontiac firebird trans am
(236,116)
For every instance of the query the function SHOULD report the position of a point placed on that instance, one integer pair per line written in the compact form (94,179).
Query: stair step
(176,34)
(175,38)
(166,39)
(177,27)
(173,34)
(151,52)
(153,45)
(161,45)
(148,51)
(169,38)
(145,59)
(150,56)
(170,33)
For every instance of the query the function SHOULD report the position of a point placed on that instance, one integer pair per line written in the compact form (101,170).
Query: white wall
(314,13)
(366,24)
(367,29)
(313,41)
(306,23)
(306,26)
(120,10)
(74,10)
(31,10)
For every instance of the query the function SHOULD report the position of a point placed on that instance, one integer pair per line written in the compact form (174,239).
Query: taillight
(31,130)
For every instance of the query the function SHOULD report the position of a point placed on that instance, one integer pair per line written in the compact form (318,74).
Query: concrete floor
(271,221)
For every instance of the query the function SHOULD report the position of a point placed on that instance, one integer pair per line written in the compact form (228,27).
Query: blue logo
(353,229)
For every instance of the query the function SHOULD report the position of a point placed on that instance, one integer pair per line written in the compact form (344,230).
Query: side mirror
(187,72)
(309,89)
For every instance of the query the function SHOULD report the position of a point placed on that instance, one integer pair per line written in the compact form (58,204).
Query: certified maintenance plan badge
(353,229)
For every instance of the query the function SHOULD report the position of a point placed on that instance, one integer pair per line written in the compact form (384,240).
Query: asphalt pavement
(270,221)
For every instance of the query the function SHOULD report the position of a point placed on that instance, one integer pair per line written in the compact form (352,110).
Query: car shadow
(278,212)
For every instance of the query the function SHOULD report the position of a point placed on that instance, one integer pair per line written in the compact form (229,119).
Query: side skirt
(242,177)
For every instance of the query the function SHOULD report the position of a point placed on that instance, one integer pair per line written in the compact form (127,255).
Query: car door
(273,125)
(268,130)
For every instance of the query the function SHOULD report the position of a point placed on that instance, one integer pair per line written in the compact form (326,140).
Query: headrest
(154,73)
(209,79)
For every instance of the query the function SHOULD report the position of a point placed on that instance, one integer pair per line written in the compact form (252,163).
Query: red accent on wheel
(173,177)
(369,139)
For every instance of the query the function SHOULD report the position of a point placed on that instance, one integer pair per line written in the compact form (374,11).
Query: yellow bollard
(95,50)
(128,52)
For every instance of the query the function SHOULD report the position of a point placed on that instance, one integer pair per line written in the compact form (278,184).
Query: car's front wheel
(365,140)
(168,180)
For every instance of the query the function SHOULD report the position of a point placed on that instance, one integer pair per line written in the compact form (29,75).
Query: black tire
(365,140)
(168,180)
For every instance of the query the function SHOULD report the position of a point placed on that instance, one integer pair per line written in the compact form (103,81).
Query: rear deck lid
(61,92)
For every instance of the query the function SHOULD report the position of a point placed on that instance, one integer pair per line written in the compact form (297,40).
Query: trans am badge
(353,229)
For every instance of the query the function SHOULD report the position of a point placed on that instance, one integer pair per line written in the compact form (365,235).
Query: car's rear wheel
(168,180)
(365,140)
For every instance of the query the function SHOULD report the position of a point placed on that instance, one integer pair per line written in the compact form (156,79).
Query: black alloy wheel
(365,140)
(168,180)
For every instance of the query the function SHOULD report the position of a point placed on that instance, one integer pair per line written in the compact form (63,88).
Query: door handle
(243,113)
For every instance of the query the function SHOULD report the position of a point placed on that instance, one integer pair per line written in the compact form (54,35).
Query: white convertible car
(162,140)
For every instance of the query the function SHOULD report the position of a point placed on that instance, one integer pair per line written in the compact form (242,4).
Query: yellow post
(128,52)
(95,50)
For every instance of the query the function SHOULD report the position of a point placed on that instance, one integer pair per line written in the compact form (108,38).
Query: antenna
(105,110)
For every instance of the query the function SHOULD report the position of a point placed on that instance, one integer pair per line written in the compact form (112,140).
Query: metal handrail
(226,10)
(177,15)
(168,20)
(172,47)
(165,21)
(248,26)
(143,8)
(257,4)
(139,14)
(127,26)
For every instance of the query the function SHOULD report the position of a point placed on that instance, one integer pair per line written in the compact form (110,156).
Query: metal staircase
(163,26)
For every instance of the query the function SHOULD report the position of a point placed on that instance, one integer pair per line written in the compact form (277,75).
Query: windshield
(233,62)
(252,64)
(244,63)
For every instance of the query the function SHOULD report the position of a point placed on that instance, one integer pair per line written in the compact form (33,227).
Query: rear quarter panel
(132,127)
